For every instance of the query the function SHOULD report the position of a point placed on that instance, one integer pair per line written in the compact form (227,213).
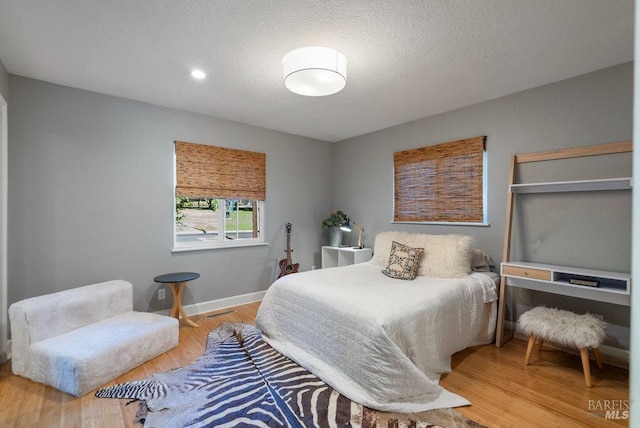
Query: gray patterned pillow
(403,261)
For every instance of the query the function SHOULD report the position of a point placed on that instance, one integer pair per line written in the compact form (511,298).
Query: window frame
(220,242)
(483,223)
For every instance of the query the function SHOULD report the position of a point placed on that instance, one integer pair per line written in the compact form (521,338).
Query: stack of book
(587,282)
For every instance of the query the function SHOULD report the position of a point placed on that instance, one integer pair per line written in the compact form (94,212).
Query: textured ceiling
(407,59)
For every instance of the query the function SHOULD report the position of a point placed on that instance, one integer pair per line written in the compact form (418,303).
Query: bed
(378,340)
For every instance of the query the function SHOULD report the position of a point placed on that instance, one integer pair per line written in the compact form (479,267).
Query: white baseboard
(617,353)
(216,305)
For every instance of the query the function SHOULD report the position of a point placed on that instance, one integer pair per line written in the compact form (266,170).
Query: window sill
(217,247)
(443,223)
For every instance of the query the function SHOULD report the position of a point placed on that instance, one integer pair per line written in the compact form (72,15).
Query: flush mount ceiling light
(198,74)
(315,71)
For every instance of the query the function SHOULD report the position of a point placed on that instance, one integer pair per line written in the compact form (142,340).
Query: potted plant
(333,223)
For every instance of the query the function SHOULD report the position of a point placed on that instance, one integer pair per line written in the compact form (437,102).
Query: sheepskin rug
(563,328)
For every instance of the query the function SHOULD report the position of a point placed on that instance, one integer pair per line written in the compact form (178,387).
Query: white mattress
(379,341)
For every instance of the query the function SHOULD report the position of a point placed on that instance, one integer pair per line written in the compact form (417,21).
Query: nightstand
(344,256)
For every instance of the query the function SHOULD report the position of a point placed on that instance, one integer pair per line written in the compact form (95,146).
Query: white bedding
(379,341)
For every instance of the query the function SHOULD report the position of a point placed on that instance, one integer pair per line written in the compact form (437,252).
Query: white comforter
(379,341)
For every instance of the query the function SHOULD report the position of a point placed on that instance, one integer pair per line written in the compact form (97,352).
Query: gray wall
(4,322)
(4,82)
(90,188)
(586,110)
(90,196)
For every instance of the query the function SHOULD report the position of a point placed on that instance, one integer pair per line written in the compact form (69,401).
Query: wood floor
(503,391)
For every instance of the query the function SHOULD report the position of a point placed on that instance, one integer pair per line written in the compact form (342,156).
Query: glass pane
(197,221)
(241,219)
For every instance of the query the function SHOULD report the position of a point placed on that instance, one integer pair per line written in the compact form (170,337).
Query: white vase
(335,236)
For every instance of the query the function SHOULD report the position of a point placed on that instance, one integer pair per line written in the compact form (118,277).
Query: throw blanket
(242,381)
(379,341)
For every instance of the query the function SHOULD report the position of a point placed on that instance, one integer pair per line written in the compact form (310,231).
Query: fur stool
(565,329)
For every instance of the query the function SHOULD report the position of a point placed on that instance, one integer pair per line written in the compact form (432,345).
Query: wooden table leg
(177,310)
(174,292)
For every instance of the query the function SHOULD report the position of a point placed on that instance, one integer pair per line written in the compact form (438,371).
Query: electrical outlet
(161,294)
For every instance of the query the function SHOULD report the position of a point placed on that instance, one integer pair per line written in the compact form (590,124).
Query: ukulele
(286,267)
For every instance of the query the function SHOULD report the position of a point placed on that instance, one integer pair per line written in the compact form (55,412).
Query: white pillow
(481,261)
(382,246)
(445,256)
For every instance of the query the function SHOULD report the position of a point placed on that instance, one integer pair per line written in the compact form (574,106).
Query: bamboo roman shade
(442,183)
(217,172)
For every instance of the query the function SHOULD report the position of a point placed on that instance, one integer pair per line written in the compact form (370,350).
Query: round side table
(177,281)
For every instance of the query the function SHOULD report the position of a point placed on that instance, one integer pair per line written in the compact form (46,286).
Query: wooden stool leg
(596,353)
(584,355)
(532,341)
(540,349)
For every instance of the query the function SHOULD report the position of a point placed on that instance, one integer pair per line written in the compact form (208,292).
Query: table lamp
(347,228)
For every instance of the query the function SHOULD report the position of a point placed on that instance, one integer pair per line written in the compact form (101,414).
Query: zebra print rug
(242,381)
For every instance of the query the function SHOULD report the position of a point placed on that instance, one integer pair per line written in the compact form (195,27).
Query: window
(219,197)
(444,183)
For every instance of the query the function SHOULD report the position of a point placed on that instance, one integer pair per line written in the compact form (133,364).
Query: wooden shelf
(614,287)
(624,183)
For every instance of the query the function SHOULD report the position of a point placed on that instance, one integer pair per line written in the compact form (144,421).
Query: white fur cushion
(563,328)
(78,339)
(81,360)
(43,317)
(445,256)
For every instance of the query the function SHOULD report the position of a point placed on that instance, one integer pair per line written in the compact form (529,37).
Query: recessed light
(198,74)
